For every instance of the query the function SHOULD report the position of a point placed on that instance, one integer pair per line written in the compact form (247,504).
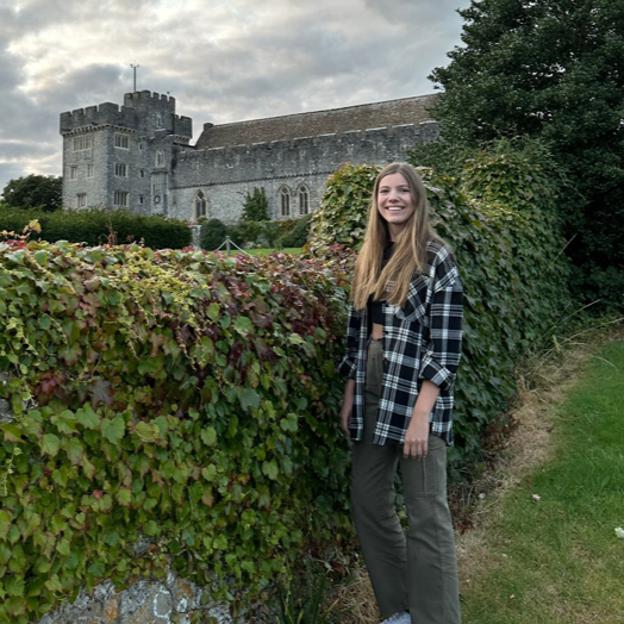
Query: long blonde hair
(410,254)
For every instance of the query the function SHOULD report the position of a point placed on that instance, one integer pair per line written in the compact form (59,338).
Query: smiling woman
(403,349)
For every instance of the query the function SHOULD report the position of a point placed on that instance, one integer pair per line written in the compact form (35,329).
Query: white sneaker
(398,618)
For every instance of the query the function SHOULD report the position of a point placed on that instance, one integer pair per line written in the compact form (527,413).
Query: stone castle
(138,156)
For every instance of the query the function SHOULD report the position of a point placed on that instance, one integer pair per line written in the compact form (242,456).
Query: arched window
(304,200)
(285,202)
(160,158)
(200,205)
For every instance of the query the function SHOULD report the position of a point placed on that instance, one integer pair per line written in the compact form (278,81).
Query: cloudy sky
(223,60)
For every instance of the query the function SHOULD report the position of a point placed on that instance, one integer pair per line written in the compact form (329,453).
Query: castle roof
(412,110)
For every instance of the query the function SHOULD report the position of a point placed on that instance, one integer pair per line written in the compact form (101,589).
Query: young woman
(403,348)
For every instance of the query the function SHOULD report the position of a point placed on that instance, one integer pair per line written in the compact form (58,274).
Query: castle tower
(122,156)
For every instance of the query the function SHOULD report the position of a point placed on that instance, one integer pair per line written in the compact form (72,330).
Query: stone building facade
(138,156)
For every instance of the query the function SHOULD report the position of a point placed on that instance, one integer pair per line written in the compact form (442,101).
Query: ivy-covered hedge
(95,227)
(500,218)
(166,405)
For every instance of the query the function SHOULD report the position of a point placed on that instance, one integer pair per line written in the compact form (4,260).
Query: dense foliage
(553,70)
(282,233)
(500,218)
(342,215)
(95,227)
(167,405)
(213,233)
(256,205)
(34,192)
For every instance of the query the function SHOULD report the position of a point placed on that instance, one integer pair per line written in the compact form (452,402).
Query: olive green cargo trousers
(416,570)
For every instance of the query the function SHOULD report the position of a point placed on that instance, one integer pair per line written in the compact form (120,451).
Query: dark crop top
(375,312)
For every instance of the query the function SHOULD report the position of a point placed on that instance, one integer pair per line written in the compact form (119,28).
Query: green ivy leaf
(148,432)
(208,436)
(269,468)
(74,449)
(113,430)
(87,417)
(248,398)
(243,325)
(5,523)
(50,444)
(213,311)
(124,496)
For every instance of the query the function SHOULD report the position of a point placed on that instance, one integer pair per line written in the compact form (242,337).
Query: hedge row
(178,400)
(187,402)
(95,227)
(500,218)
(280,234)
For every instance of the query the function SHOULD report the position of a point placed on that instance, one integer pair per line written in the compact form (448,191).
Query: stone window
(81,200)
(89,170)
(304,200)
(82,143)
(160,158)
(142,173)
(73,172)
(141,199)
(200,205)
(121,171)
(120,198)
(285,201)
(122,141)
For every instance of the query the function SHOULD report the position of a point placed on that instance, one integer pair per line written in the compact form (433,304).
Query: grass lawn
(557,560)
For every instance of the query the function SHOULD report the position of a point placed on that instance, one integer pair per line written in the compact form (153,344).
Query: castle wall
(86,170)
(225,175)
(157,172)
(148,126)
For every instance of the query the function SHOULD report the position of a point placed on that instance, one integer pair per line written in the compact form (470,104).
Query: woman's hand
(417,436)
(347,406)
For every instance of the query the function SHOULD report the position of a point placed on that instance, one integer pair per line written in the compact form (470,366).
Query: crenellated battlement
(142,111)
(147,100)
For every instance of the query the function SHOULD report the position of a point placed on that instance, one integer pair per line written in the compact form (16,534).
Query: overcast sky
(223,60)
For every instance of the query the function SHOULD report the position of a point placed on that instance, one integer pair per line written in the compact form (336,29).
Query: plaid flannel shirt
(422,340)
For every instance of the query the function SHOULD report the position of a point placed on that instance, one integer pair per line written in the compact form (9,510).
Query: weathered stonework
(139,155)
(174,601)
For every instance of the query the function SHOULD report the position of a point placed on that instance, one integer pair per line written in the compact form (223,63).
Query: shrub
(213,233)
(256,205)
(95,227)
(186,400)
(293,232)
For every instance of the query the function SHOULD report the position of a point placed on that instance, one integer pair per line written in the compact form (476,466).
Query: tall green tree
(256,205)
(34,191)
(552,69)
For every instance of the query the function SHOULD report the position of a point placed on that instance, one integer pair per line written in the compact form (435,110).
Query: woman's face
(395,202)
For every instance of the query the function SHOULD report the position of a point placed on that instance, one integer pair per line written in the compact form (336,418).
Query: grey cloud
(279,58)
(13,150)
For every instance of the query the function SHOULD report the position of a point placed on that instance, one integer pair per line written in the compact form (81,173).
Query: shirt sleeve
(347,365)
(441,359)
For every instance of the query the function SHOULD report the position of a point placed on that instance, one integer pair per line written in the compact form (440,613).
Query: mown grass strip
(553,556)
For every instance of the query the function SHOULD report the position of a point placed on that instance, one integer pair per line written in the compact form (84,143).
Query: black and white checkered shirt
(422,340)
